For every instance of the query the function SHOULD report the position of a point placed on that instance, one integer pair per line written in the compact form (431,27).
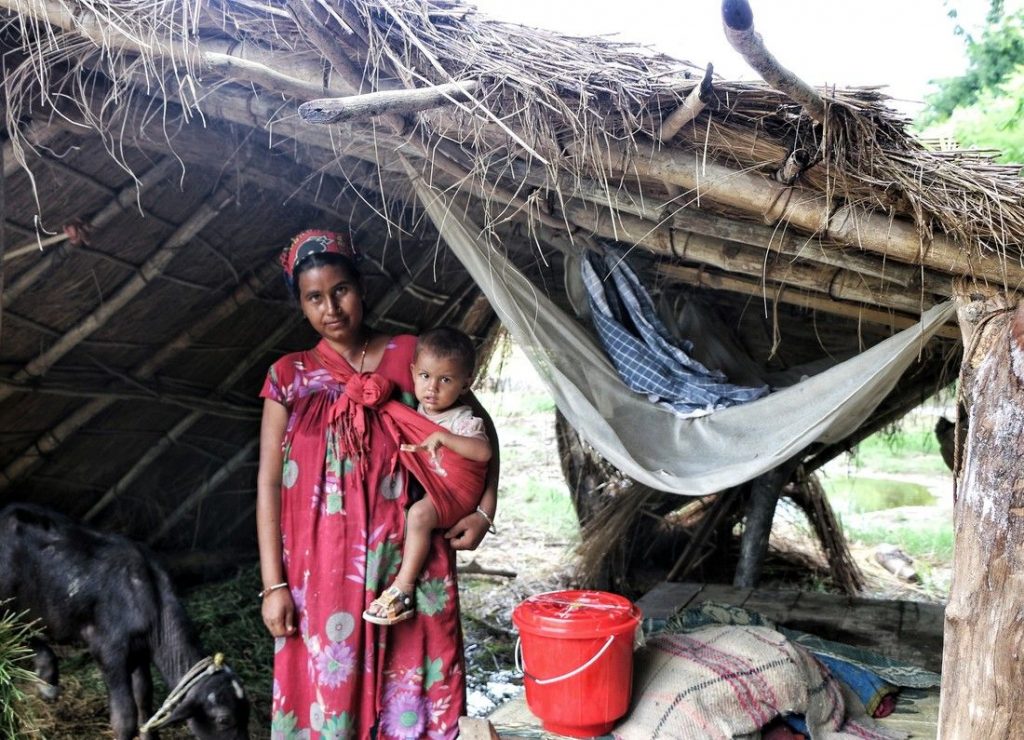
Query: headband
(315,241)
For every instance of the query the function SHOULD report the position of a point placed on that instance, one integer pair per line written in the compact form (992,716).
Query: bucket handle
(521,664)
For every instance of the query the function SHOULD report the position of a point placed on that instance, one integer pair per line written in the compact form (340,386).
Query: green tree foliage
(981,107)
(991,59)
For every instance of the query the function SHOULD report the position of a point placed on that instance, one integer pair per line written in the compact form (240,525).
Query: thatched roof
(812,225)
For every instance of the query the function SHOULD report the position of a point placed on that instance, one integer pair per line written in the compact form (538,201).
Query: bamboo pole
(811,249)
(131,288)
(55,436)
(396,102)
(738,20)
(196,497)
(731,257)
(787,294)
(809,210)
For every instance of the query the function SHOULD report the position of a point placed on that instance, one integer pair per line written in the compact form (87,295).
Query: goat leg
(45,662)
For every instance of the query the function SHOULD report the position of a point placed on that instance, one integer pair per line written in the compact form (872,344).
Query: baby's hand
(430,444)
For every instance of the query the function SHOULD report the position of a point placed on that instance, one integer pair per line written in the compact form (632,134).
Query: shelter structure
(157,156)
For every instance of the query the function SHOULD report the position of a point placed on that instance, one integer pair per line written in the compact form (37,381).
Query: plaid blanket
(730,681)
(641,348)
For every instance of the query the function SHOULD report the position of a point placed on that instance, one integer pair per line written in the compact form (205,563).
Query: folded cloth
(728,681)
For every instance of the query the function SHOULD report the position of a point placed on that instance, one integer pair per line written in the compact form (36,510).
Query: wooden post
(764,496)
(982,676)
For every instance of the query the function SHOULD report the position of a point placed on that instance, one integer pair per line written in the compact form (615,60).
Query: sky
(902,44)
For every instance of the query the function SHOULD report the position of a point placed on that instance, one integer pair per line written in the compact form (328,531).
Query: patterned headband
(315,241)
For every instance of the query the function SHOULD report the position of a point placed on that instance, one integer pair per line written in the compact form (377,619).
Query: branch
(397,102)
(739,29)
(690,109)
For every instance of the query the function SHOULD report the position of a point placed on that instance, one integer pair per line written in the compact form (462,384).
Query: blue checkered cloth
(641,348)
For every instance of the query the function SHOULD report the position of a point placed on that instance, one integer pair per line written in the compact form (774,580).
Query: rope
(205,667)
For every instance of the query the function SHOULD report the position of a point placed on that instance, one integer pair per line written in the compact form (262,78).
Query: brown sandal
(392,606)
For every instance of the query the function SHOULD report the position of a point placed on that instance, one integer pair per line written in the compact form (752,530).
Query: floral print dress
(342,527)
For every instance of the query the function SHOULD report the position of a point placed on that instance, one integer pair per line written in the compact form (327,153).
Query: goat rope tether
(205,667)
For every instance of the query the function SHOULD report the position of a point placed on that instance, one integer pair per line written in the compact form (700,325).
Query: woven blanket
(723,682)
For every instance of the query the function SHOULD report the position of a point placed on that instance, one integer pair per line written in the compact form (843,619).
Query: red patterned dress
(342,521)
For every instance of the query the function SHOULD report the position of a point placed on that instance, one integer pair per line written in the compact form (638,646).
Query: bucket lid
(576,614)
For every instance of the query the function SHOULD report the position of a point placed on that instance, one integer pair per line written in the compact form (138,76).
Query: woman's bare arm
(278,609)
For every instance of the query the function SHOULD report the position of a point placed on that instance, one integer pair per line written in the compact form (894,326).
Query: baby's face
(438,381)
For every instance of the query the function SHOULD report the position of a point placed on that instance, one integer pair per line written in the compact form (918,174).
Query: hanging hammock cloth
(649,442)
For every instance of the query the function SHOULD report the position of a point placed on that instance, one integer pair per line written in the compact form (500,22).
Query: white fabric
(458,420)
(649,443)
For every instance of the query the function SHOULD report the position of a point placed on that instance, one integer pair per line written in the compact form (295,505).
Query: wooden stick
(787,294)
(398,102)
(55,436)
(690,109)
(738,19)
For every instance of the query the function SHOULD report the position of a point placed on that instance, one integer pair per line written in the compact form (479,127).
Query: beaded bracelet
(490,522)
(263,594)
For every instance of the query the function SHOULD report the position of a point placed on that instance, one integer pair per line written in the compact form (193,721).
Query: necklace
(362,355)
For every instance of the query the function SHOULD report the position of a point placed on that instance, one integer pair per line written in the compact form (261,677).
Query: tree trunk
(757,527)
(982,680)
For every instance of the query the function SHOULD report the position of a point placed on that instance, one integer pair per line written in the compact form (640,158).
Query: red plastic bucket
(577,653)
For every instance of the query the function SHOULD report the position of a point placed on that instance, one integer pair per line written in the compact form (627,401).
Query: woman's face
(332,300)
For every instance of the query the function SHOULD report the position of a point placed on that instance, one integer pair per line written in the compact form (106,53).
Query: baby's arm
(477,449)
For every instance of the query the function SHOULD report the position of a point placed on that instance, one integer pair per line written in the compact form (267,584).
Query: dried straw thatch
(133,345)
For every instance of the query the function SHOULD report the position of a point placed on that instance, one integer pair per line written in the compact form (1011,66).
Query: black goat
(106,590)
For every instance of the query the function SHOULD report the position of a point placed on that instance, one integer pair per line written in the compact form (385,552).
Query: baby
(442,370)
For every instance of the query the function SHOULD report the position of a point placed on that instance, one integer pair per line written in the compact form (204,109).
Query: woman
(330,513)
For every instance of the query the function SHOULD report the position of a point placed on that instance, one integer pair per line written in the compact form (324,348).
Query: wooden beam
(732,257)
(811,249)
(153,266)
(196,497)
(809,210)
(50,440)
(738,19)
(982,691)
(777,293)
(397,102)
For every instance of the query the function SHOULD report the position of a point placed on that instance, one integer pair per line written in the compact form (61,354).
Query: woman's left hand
(468,532)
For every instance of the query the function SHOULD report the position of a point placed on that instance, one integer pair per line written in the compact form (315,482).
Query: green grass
(907,450)
(922,540)
(15,675)
(858,494)
(545,508)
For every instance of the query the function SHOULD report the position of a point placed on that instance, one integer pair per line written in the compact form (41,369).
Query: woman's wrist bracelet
(270,589)
(490,522)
